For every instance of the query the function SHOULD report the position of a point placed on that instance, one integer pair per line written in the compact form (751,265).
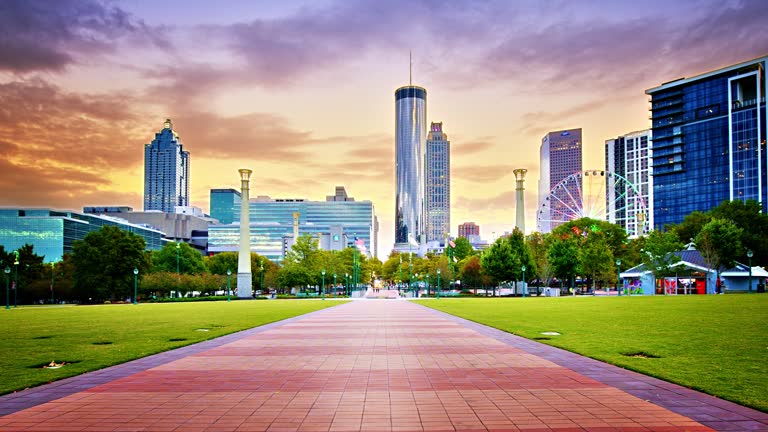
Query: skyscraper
(166,171)
(629,157)
(410,134)
(709,135)
(438,183)
(560,156)
(223,204)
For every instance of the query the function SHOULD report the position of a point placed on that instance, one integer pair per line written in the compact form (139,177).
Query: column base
(244,288)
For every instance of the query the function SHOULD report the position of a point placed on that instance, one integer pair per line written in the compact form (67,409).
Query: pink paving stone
(365,365)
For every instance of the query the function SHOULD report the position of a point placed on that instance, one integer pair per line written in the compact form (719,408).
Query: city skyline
(84,85)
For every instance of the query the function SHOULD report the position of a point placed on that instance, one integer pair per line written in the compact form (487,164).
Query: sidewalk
(373,365)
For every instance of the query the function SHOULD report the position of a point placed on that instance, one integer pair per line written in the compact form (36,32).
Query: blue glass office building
(438,184)
(53,232)
(709,140)
(166,172)
(410,135)
(223,204)
(272,224)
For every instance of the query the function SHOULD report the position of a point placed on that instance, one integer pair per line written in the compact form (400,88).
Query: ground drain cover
(640,354)
(551,333)
(203,330)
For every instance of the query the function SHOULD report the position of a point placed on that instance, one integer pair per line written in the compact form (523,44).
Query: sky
(302,92)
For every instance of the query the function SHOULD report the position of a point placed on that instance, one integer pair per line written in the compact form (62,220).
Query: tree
(463,248)
(180,255)
(104,261)
(659,252)
(221,262)
(538,244)
(563,257)
(596,259)
(499,263)
(471,272)
(719,244)
(748,216)
(691,225)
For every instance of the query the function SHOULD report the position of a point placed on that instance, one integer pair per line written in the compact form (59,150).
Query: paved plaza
(378,365)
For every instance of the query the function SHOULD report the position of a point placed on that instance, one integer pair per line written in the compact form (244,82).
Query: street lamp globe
(135,271)
(7,270)
(229,272)
(750,254)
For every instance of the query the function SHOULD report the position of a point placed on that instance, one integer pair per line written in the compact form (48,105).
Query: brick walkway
(369,365)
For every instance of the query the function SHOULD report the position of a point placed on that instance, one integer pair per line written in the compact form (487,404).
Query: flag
(451,242)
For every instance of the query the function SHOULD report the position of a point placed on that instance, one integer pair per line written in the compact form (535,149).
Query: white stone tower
(520,198)
(244,289)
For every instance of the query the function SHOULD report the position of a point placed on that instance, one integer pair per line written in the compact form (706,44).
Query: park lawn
(94,337)
(714,344)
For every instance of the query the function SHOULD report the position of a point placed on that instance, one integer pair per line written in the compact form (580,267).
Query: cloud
(472,147)
(484,174)
(503,201)
(49,35)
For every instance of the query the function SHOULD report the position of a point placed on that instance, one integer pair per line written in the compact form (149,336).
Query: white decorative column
(244,288)
(520,198)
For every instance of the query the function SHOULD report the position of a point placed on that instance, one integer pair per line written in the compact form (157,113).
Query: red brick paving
(367,365)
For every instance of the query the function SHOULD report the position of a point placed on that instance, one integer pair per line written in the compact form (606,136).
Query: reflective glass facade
(629,157)
(166,172)
(438,184)
(271,222)
(709,140)
(53,232)
(410,136)
(223,203)
(560,156)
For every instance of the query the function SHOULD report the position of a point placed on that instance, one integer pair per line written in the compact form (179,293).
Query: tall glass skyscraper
(709,135)
(166,172)
(438,183)
(629,157)
(410,134)
(560,156)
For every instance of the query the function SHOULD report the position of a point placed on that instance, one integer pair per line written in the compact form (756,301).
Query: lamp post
(750,254)
(178,249)
(618,276)
(524,288)
(135,284)
(335,287)
(7,294)
(53,274)
(416,287)
(15,277)
(439,287)
(400,269)
(346,283)
(429,293)
(322,290)
(410,270)
(261,276)
(229,276)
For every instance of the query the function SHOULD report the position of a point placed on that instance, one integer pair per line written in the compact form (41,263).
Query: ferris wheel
(595,194)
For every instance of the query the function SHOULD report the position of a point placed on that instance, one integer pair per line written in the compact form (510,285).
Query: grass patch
(714,344)
(88,338)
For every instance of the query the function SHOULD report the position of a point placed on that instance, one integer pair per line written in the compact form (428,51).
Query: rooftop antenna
(410,68)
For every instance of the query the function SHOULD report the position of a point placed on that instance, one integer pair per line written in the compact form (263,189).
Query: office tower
(272,224)
(223,203)
(166,171)
(438,184)
(709,135)
(520,198)
(469,229)
(560,156)
(54,232)
(410,134)
(629,157)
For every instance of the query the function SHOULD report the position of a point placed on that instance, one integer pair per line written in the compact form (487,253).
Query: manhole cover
(203,330)
(551,333)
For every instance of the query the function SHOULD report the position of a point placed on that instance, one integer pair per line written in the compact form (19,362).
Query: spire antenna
(410,68)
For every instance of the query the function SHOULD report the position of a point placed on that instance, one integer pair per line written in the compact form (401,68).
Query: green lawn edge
(90,338)
(713,344)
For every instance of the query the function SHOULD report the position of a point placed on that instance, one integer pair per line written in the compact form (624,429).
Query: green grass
(94,337)
(714,344)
